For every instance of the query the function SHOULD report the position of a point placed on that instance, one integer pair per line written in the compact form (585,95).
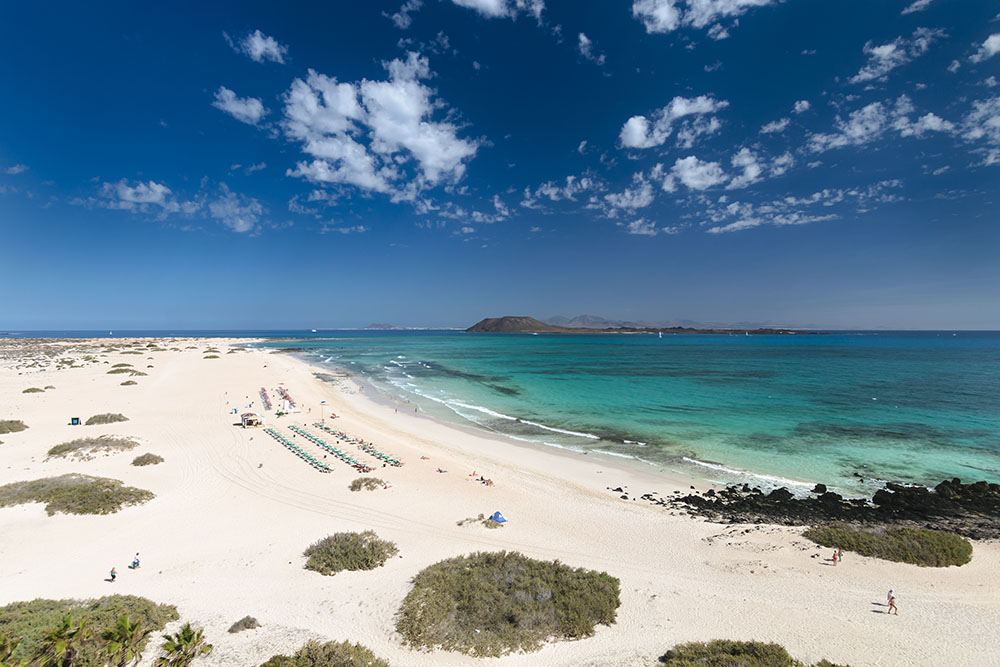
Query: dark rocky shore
(970,510)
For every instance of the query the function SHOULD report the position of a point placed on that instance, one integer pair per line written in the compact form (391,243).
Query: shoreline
(232,506)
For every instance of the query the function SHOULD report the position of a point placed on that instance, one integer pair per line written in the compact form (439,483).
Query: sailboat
(661,334)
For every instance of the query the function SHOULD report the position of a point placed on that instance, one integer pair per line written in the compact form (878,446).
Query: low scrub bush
(84,447)
(122,365)
(131,352)
(330,654)
(482,519)
(137,374)
(349,551)
(147,460)
(48,386)
(919,546)
(212,356)
(490,604)
(33,390)
(245,623)
(12,425)
(129,383)
(106,418)
(30,621)
(74,494)
(366,484)
(726,653)
(119,371)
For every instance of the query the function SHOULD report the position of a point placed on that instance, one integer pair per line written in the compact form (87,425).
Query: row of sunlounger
(298,451)
(285,395)
(265,398)
(343,456)
(362,445)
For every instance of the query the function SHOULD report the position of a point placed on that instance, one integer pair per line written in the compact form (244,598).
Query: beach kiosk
(251,419)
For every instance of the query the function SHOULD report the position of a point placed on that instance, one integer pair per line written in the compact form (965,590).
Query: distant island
(522,324)
(382,326)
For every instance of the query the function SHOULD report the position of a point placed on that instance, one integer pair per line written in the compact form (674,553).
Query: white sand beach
(234,510)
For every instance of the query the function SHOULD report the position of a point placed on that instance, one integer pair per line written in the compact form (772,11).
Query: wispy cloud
(647,132)
(402,18)
(259,47)
(505,8)
(586,47)
(662,16)
(987,50)
(16,169)
(916,6)
(884,58)
(249,110)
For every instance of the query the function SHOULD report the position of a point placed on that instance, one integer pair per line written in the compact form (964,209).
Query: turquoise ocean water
(768,410)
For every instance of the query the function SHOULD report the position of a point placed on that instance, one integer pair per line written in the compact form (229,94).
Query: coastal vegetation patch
(85,447)
(211,356)
(245,623)
(129,383)
(726,653)
(147,459)
(119,371)
(137,374)
(918,546)
(38,623)
(12,425)
(366,484)
(106,418)
(330,654)
(493,603)
(482,519)
(49,386)
(131,352)
(121,365)
(349,551)
(74,493)
(33,390)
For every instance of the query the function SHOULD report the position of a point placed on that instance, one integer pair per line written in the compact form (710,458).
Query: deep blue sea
(846,409)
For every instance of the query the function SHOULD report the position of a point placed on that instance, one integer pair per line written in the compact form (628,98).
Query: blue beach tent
(498,517)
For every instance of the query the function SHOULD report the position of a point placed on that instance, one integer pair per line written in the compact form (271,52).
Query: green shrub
(489,604)
(30,620)
(212,356)
(366,484)
(119,371)
(106,418)
(137,374)
(147,460)
(33,390)
(349,551)
(919,546)
(74,494)
(131,352)
(486,521)
(12,425)
(330,654)
(245,623)
(86,446)
(121,365)
(726,653)
(48,386)
(129,383)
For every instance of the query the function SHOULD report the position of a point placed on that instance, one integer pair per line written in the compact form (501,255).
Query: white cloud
(140,196)
(259,47)
(586,47)
(927,123)
(753,170)
(553,192)
(694,174)
(639,132)
(639,195)
(16,169)
(982,124)
(801,106)
(661,16)
(237,212)
(887,57)
(871,122)
(988,49)
(248,110)
(642,227)
(402,18)
(368,134)
(351,229)
(700,126)
(954,66)
(916,6)
(775,126)
(504,8)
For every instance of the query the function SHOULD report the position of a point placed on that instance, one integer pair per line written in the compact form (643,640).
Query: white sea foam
(589,436)
(746,473)
(623,456)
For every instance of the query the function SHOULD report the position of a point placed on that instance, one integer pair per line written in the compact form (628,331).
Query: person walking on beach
(114,575)
(891,597)
(835,558)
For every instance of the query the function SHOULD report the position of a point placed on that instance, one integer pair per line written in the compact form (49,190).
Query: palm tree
(8,647)
(124,642)
(61,645)
(182,648)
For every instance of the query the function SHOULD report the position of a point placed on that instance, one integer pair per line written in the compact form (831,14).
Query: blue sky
(430,163)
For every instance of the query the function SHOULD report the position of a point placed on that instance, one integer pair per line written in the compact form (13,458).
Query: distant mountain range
(598,322)
(524,324)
